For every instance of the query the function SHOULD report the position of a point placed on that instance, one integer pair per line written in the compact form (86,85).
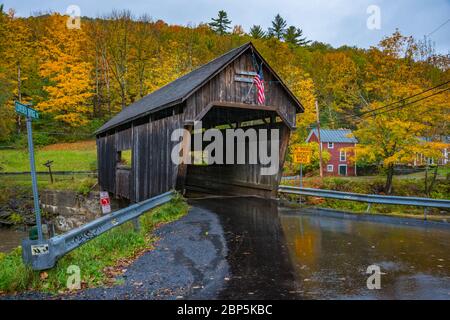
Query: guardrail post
(368,207)
(425,211)
(136,224)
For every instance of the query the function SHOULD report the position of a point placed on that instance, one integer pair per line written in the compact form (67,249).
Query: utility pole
(320,140)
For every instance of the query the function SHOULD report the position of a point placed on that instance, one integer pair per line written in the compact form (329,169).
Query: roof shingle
(173,92)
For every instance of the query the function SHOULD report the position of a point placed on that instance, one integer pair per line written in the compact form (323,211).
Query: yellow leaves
(70,90)
(395,137)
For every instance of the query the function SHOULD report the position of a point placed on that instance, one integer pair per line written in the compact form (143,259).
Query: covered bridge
(222,95)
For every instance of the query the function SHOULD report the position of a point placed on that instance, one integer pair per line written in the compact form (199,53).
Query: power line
(402,100)
(443,24)
(409,103)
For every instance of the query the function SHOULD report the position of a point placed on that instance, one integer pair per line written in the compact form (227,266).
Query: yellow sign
(302,155)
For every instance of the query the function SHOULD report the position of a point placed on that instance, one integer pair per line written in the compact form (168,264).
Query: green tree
(294,35)
(221,24)
(256,32)
(278,28)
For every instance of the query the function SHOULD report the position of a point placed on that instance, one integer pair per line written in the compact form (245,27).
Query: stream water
(283,253)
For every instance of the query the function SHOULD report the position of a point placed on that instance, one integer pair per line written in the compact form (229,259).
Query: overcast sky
(336,22)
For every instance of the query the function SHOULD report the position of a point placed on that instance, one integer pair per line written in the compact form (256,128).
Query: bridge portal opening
(250,158)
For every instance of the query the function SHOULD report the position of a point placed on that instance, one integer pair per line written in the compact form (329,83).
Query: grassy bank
(77,156)
(75,182)
(99,260)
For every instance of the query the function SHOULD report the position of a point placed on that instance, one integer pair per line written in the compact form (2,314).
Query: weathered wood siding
(107,159)
(224,88)
(123,182)
(152,171)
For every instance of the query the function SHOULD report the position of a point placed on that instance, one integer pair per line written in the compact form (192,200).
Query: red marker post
(105,202)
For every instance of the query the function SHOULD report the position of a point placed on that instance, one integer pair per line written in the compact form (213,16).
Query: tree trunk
(389,177)
(106,77)
(432,182)
(96,111)
(19,95)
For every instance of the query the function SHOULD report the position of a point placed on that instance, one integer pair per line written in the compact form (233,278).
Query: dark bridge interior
(231,179)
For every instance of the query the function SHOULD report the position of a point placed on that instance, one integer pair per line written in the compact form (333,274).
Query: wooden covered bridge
(220,94)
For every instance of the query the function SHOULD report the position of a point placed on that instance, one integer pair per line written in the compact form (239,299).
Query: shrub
(15,218)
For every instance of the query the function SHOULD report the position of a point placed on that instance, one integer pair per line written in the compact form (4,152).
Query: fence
(47,173)
(368,198)
(41,255)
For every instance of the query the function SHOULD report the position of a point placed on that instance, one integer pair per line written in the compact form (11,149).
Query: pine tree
(257,32)
(294,35)
(221,24)
(278,27)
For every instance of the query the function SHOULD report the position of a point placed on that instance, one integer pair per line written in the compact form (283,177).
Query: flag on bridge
(258,80)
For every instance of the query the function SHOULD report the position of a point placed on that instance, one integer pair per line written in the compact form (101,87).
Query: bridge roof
(180,89)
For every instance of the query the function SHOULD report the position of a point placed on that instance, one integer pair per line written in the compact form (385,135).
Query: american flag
(258,80)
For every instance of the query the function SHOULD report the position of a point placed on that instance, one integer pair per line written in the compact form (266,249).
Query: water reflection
(280,253)
(257,253)
(331,255)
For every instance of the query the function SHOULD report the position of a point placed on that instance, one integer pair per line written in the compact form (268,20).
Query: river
(283,253)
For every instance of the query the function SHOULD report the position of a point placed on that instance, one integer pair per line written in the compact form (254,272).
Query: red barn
(341,145)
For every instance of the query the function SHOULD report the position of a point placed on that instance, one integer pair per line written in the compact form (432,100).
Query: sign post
(302,155)
(105,202)
(32,114)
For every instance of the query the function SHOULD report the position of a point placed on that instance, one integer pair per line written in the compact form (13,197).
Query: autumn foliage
(79,78)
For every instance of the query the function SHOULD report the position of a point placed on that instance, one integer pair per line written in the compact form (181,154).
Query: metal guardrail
(368,198)
(41,255)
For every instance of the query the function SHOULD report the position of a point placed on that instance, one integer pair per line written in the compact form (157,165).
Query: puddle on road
(276,254)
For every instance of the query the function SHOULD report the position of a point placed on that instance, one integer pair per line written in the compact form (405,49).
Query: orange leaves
(71,87)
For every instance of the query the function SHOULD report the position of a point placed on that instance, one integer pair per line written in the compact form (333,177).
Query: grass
(99,260)
(75,182)
(78,156)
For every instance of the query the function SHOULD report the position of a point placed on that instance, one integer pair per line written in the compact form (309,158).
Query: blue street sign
(26,110)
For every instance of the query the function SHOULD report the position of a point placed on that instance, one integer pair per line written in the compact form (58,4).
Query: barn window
(330,145)
(330,168)
(125,158)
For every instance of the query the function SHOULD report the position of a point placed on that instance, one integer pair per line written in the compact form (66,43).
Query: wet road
(275,252)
